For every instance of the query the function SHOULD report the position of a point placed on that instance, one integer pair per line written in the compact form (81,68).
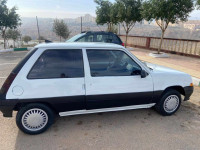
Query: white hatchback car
(81,78)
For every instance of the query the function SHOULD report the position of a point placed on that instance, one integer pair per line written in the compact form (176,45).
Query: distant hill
(29,26)
(187,30)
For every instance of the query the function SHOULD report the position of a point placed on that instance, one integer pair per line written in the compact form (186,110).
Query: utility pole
(81,24)
(119,29)
(38,30)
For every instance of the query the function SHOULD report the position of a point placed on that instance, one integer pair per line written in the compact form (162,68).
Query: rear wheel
(169,103)
(34,118)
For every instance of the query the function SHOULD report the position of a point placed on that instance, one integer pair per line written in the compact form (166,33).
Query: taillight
(8,83)
(122,44)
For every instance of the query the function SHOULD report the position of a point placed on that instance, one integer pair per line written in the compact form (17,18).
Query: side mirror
(144,74)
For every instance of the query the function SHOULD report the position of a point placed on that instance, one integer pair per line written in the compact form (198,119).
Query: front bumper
(188,92)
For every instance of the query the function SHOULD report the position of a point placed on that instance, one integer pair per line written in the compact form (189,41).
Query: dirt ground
(125,130)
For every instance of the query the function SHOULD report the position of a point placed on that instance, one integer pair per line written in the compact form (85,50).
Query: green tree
(129,12)
(114,29)
(165,12)
(8,19)
(106,14)
(198,4)
(26,39)
(61,29)
(13,34)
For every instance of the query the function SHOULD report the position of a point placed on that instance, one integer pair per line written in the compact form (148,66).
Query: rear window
(116,39)
(58,64)
(23,61)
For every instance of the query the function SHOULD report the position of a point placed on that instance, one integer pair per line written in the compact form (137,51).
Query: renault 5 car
(81,78)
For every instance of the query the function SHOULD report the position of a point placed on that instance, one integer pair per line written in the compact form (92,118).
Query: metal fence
(175,46)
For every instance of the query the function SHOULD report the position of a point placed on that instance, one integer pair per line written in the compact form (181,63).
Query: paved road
(7,62)
(126,130)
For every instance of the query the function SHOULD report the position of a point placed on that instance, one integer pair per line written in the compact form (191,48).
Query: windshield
(74,38)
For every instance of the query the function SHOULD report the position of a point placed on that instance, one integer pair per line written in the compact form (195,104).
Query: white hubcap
(171,103)
(34,119)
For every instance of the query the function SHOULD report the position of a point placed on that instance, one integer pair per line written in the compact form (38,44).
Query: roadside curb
(15,49)
(6,50)
(196,81)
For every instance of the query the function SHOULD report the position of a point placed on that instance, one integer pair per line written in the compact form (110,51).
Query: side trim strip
(69,113)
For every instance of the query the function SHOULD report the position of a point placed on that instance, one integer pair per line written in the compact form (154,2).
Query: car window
(111,63)
(106,38)
(58,64)
(74,38)
(86,38)
(116,39)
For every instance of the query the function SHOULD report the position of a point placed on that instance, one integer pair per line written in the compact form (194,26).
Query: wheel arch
(158,94)
(18,106)
(180,89)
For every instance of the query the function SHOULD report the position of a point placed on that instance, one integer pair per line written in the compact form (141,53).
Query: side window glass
(100,38)
(87,38)
(104,38)
(111,63)
(58,64)
(90,38)
(82,39)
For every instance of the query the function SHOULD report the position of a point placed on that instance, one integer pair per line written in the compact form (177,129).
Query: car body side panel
(115,91)
(164,78)
(63,93)
(163,81)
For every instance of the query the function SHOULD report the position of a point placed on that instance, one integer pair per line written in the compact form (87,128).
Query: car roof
(79,45)
(92,32)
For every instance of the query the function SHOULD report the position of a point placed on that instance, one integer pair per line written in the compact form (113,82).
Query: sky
(62,8)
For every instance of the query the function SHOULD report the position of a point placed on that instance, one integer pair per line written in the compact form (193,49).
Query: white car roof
(79,45)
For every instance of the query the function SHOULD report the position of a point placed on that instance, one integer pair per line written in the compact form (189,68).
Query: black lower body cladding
(188,92)
(58,104)
(70,103)
(118,100)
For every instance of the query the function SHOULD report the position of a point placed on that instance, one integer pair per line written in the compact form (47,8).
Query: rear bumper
(5,107)
(6,110)
(188,92)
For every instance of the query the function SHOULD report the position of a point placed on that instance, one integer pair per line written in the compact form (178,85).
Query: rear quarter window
(58,64)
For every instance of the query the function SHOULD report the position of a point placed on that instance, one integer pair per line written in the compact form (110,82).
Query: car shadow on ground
(118,130)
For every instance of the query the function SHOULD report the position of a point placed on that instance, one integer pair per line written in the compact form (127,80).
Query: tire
(169,103)
(34,118)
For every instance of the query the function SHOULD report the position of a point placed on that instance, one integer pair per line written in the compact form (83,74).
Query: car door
(114,80)
(56,77)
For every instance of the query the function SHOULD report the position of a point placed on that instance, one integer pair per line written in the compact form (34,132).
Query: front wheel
(169,103)
(34,118)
